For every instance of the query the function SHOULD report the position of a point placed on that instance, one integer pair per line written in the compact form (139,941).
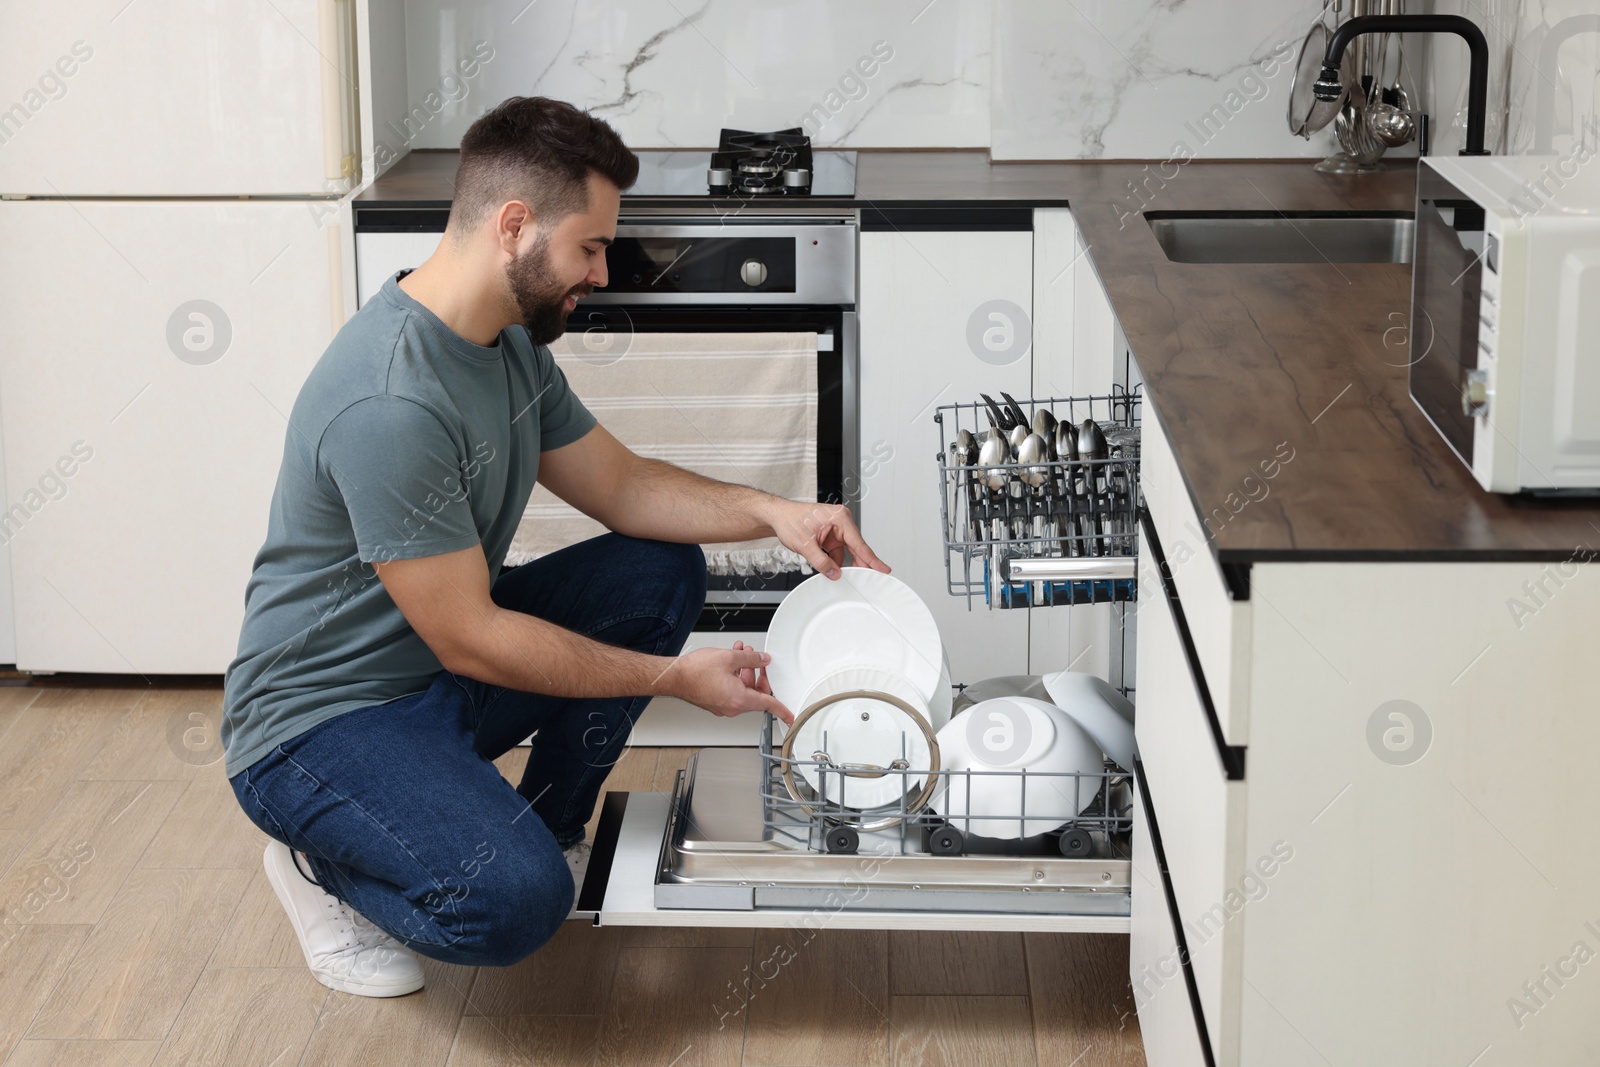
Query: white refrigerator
(171,267)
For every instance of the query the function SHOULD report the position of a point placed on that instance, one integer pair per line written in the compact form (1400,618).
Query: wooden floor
(137,928)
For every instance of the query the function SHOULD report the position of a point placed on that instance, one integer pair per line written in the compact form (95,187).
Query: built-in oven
(738,276)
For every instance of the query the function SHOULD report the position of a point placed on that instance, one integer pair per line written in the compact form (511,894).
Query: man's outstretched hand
(726,681)
(822,533)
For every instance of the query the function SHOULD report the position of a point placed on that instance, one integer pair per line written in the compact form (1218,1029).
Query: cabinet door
(1155,961)
(154,351)
(180,98)
(380,255)
(1201,810)
(939,324)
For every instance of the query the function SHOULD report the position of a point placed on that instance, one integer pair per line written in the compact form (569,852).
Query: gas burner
(761,164)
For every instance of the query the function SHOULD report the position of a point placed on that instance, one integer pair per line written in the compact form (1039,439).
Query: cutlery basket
(1039,532)
(820,818)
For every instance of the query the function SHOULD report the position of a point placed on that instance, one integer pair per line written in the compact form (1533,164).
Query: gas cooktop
(748,166)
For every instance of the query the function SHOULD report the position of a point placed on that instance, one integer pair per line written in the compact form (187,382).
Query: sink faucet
(1328,85)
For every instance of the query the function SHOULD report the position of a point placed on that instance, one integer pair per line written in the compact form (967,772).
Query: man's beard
(541,298)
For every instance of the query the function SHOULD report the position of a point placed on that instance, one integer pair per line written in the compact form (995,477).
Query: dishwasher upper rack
(804,820)
(1071,540)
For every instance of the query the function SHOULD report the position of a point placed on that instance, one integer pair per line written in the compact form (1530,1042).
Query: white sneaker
(343,948)
(578,863)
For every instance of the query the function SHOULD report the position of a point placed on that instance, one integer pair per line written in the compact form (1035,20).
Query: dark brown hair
(540,151)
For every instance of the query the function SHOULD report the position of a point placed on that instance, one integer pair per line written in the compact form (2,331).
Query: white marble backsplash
(671,73)
(1114,79)
(1028,79)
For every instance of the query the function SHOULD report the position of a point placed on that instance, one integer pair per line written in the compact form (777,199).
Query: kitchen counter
(424,179)
(1242,359)
(1242,362)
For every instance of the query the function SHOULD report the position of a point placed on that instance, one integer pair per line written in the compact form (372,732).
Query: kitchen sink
(1283,236)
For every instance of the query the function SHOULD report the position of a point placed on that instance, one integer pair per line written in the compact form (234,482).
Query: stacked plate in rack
(869,635)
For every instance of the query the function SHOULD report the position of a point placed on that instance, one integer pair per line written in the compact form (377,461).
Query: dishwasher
(764,837)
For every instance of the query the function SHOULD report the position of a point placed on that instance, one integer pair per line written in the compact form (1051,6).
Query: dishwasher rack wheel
(843,839)
(1076,843)
(946,840)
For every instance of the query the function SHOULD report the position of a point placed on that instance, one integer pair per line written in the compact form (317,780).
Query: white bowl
(1096,706)
(1006,685)
(1010,734)
(866,732)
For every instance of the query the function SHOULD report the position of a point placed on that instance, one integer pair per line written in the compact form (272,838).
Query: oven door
(1446,301)
(748,599)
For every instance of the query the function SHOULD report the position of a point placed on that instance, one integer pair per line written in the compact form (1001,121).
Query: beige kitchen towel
(737,407)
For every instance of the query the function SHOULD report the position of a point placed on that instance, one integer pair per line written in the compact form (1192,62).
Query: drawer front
(1201,810)
(1220,624)
(1161,985)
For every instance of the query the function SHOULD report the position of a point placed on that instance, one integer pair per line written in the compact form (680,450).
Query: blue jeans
(398,807)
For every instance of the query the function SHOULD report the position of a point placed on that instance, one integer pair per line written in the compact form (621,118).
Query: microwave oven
(1505,317)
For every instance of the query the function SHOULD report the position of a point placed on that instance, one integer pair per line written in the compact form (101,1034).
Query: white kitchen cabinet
(180,98)
(1379,868)
(1201,810)
(143,431)
(1219,622)
(924,297)
(378,253)
(1156,972)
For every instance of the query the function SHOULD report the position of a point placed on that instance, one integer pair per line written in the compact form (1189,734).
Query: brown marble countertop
(1241,361)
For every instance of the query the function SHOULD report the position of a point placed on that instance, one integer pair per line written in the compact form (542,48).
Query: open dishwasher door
(705,855)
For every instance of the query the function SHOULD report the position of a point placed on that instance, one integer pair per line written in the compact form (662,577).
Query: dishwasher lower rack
(1041,532)
(728,846)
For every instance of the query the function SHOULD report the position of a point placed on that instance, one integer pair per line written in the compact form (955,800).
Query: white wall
(671,75)
(1134,79)
(1517,32)
(1035,79)
(1029,79)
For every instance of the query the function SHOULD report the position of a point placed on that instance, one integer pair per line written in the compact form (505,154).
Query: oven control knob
(1474,392)
(753,272)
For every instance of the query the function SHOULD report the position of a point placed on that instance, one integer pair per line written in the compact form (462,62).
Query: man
(382,666)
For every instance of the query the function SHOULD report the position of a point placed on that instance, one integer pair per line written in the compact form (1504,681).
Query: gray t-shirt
(406,440)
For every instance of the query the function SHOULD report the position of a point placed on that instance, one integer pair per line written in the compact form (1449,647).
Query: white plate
(862,617)
(1009,734)
(863,730)
(1096,705)
(942,704)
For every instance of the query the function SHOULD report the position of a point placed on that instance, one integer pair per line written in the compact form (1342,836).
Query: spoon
(964,453)
(1091,441)
(1066,443)
(1091,448)
(994,451)
(1034,450)
(1044,424)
